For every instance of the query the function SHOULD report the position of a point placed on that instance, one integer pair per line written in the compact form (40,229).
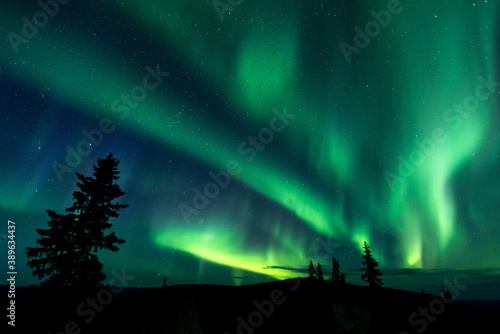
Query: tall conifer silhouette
(371,274)
(67,252)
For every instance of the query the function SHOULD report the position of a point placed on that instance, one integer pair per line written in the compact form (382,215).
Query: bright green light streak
(221,244)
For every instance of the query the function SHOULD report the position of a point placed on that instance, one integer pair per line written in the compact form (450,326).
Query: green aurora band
(348,131)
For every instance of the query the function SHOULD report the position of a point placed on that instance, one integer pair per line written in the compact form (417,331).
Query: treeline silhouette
(67,251)
(66,257)
(371,274)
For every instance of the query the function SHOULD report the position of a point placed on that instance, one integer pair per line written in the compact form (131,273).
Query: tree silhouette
(337,276)
(311,270)
(371,274)
(319,272)
(56,244)
(67,254)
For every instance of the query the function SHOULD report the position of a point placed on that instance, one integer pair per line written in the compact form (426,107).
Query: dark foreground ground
(292,306)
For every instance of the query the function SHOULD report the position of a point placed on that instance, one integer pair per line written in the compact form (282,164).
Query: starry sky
(256,136)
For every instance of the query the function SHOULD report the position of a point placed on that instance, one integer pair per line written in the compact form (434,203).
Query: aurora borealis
(250,145)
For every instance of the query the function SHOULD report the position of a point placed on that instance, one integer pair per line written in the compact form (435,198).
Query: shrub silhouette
(446,294)
(351,320)
(189,320)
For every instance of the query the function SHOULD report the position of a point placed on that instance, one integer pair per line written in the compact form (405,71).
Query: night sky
(255,138)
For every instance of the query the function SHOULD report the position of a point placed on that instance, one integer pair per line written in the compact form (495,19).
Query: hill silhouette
(291,306)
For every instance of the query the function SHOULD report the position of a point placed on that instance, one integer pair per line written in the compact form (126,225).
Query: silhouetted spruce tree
(337,276)
(319,272)
(67,254)
(56,252)
(312,270)
(371,274)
